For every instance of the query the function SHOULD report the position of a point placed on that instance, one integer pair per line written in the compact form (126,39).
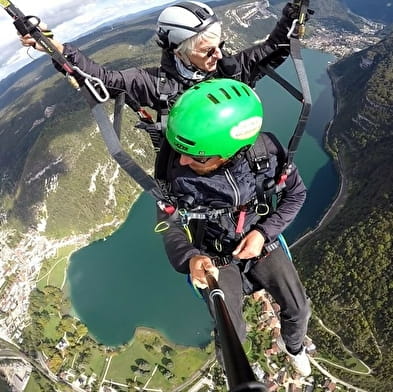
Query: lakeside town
(20,265)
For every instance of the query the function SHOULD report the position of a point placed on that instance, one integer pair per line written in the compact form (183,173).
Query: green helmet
(215,118)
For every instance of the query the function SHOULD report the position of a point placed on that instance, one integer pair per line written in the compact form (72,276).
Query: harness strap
(258,159)
(123,159)
(157,129)
(269,71)
(118,113)
(164,106)
(221,261)
(303,96)
(306,107)
(165,91)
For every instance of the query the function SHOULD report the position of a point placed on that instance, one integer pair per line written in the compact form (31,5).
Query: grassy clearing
(97,361)
(51,327)
(32,386)
(53,269)
(137,361)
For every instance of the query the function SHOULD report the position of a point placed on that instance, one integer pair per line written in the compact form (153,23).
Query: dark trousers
(277,275)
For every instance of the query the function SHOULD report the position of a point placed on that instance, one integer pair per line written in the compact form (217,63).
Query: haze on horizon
(68,19)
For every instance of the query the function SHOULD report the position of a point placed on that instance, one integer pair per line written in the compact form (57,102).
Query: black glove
(289,13)
(292,10)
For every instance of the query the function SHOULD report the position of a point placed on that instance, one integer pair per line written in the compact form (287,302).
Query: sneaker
(299,361)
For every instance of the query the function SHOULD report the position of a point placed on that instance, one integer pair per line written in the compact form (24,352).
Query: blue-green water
(281,113)
(126,281)
(377,10)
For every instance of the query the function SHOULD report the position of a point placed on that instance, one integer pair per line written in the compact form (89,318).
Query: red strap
(169,209)
(282,179)
(240,221)
(144,115)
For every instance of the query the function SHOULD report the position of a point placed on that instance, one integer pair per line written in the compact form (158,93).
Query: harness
(157,129)
(194,218)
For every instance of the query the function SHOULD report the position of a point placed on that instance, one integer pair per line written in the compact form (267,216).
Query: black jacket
(141,84)
(232,185)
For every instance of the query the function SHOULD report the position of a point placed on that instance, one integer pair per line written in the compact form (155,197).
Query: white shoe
(299,361)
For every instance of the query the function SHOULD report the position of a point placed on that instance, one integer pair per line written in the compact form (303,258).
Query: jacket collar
(168,65)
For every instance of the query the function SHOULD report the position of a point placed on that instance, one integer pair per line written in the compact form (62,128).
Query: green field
(150,356)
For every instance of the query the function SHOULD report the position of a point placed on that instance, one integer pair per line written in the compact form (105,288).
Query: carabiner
(95,85)
(262,209)
(293,27)
(161,226)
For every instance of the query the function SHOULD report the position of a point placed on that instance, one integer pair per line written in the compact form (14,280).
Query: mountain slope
(348,264)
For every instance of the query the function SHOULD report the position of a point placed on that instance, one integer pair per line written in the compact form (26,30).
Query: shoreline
(342,191)
(144,330)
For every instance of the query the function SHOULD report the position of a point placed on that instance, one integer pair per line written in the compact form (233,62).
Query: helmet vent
(225,93)
(236,91)
(202,13)
(245,90)
(213,99)
(186,141)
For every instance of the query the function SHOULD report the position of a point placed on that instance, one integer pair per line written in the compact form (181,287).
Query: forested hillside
(348,264)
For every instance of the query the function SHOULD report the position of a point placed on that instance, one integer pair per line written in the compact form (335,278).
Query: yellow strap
(188,233)
(5,3)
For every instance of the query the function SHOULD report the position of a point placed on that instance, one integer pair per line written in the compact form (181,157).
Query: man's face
(202,168)
(206,54)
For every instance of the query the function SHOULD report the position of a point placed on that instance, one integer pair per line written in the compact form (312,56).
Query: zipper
(240,222)
(233,184)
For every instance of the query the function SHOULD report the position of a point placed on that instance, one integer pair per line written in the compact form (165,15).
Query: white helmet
(181,21)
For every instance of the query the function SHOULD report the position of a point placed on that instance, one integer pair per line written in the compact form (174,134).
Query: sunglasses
(200,159)
(211,51)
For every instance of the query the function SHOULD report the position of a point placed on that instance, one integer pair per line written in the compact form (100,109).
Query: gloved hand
(291,11)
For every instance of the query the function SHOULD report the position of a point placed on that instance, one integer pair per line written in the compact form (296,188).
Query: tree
(166,350)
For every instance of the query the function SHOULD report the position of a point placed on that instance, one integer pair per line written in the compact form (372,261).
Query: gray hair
(186,47)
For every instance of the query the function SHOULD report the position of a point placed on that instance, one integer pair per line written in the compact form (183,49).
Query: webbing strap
(269,71)
(123,159)
(118,113)
(306,108)
(258,159)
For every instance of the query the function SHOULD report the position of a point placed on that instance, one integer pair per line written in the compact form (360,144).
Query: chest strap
(222,261)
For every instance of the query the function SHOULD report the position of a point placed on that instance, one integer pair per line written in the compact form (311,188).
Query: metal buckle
(221,261)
